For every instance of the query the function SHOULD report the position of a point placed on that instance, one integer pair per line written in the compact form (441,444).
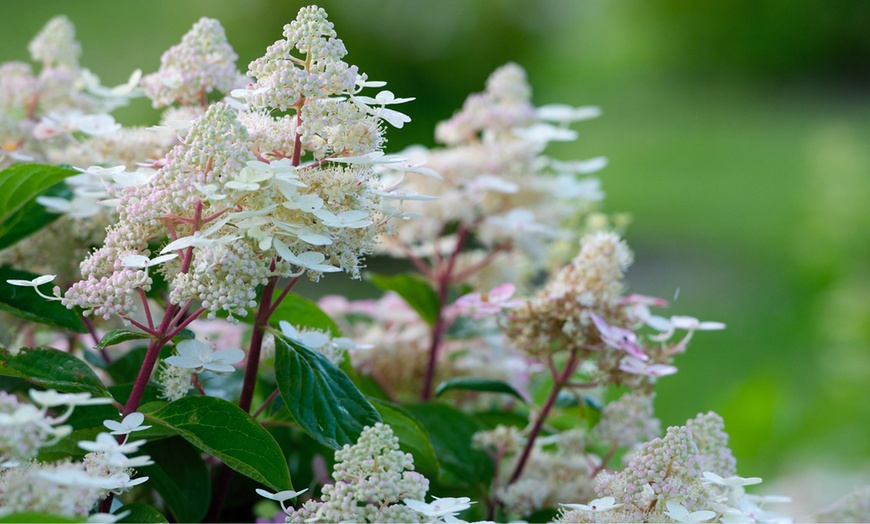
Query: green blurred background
(737,134)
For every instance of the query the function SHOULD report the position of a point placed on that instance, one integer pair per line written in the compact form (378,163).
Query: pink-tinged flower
(639,367)
(619,338)
(481,305)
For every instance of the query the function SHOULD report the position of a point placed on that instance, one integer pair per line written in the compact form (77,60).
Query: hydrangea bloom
(235,200)
(372,477)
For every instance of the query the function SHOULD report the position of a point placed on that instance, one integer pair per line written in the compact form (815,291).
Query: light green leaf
(19,184)
(52,369)
(31,217)
(478,384)
(32,517)
(223,430)
(416,291)
(23,302)
(321,398)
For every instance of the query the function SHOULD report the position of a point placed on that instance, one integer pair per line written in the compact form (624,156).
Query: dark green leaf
(302,312)
(321,398)
(23,302)
(180,476)
(19,184)
(140,512)
(416,291)
(184,334)
(52,369)
(127,367)
(28,517)
(478,384)
(222,429)
(116,336)
(450,432)
(412,437)
(32,217)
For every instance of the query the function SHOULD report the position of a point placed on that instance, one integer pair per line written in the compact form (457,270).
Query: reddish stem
(266,403)
(560,381)
(444,278)
(146,307)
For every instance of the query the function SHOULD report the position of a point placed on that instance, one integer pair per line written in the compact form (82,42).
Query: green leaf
(19,184)
(116,336)
(52,369)
(32,217)
(302,312)
(28,517)
(450,432)
(321,398)
(127,367)
(416,291)
(412,437)
(478,384)
(140,512)
(222,429)
(181,477)
(23,302)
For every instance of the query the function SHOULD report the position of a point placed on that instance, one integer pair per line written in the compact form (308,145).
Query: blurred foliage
(737,134)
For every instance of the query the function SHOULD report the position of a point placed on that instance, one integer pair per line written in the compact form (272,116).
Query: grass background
(738,138)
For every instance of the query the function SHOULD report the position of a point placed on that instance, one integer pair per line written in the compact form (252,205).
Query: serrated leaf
(23,302)
(416,291)
(450,432)
(412,437)
(20,183)
(321,397)
(52,369)
(225,431)
(31,217)
(181,477)
(141,513)
(301,312)
(478,384)
(116,336)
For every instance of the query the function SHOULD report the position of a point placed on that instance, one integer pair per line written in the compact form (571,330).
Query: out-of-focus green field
(748,177)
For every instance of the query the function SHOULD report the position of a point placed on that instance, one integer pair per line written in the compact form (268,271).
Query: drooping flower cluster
(372,478)
(582,312)
(234,199)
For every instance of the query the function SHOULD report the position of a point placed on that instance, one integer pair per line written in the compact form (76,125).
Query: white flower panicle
(56,44)
(234,199)
(203,62)
(495,181)
(372,478)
